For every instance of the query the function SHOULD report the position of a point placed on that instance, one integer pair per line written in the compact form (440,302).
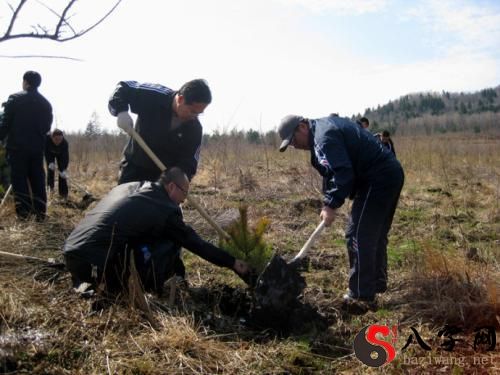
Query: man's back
(129,211)
(348,144)
(27,119)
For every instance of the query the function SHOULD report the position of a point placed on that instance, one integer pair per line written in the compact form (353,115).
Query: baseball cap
(286,129)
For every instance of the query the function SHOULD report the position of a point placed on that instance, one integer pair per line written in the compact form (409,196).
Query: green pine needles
(248,243)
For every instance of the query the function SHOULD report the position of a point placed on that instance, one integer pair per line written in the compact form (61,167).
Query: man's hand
(63,174)
(52,166)
(240,267)
(328,215)
(124,121)
(245,272)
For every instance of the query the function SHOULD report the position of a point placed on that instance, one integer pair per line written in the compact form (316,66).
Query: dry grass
(443,255)
(446,289)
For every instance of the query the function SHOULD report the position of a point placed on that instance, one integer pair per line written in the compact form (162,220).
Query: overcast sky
(263,59)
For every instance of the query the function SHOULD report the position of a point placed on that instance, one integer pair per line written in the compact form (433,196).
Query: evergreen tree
(248,243)
(93,129)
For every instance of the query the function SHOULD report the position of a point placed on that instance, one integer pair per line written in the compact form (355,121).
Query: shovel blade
(278,286)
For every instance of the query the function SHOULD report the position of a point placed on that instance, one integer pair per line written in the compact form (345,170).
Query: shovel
(47,262)
(302,253)
(280,283)
(131,131)
(87,198)
(86,194)
(4,199)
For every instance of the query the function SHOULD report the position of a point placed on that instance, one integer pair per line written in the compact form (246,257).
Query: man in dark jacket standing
(26,121)
(143,219)
(57,151)
(167,120)
(386,140)
(353,163)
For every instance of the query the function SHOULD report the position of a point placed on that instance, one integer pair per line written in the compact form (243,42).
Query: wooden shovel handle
(310,241)
(131,131)
(5,196)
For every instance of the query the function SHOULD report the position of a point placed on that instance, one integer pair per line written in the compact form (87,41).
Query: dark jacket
(390,146)
(153,105)
(26,120)
(346,155)
(59,152)
(133,214)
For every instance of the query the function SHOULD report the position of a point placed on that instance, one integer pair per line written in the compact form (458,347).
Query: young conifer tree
(248,243)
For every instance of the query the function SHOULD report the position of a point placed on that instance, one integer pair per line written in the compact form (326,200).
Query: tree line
(431,113)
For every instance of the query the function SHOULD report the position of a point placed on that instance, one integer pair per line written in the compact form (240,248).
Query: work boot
(358,306)
(84,290)
(380,289)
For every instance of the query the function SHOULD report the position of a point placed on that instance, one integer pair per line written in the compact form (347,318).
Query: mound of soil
(238,307)
(273,304)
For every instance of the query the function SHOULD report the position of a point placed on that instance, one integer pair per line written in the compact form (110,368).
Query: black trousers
(155,263)
(61,183)
(367,231)
(130,172)
(28,183)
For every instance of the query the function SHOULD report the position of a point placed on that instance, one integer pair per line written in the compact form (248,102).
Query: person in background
(385,138)
(168,122)
(143,219)
(4,168)
(26,121)
(57,152)
(353,163)
(363,122)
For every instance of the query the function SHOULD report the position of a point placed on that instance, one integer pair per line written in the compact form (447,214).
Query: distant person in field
(143,218)
(4,172)
(352,162)
(168,122)
(57,154)
(4,168)
(363,122)
(26,121)
(385,138)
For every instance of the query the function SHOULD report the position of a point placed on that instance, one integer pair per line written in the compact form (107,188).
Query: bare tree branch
(62,18)
(11,7)
(56,14)
(83,32)
(43,32)
(14,17)
(39,57)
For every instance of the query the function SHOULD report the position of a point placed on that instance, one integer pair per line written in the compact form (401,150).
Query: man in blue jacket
(168,122)
(353,163)
(26,121)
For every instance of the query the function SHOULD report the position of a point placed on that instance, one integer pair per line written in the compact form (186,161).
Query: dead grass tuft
(449,289)
(12,311)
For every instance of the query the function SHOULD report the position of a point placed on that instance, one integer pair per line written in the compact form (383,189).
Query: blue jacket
(346,155)
(153,105)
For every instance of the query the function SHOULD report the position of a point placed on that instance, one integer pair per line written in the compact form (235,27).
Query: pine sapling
(248,243)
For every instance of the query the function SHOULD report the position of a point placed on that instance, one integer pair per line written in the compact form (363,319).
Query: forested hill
(430,113)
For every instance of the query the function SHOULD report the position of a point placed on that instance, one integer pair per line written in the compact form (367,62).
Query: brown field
(444,265)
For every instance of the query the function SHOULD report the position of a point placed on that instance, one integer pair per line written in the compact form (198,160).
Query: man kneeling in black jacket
(143,219)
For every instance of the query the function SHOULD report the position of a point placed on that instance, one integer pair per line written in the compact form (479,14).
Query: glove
(52,166)
(63,174)
(124,121)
